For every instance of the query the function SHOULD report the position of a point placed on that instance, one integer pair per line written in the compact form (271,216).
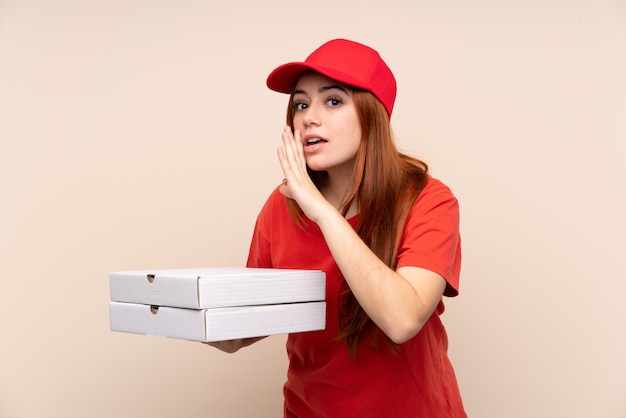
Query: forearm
(390,299)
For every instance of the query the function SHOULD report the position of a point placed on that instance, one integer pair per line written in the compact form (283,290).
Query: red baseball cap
(346,61)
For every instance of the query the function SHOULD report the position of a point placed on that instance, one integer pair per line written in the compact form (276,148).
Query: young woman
(385,232)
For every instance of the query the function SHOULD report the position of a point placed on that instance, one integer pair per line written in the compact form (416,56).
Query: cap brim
(284,78)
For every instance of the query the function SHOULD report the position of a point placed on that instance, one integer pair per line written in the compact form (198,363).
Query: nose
(311,115)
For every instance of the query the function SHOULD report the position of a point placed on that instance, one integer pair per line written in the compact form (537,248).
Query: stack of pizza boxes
(217,303)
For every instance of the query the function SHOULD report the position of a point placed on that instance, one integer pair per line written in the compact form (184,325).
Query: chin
(316,166)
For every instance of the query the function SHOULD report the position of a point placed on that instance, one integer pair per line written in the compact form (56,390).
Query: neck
(336,189)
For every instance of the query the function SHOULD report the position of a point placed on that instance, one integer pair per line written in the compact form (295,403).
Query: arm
(399,302)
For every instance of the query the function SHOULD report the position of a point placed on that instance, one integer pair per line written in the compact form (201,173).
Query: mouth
(314,141)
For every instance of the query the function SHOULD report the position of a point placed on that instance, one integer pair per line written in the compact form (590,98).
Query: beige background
(139,134)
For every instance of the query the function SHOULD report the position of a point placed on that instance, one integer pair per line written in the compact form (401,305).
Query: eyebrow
(323,89)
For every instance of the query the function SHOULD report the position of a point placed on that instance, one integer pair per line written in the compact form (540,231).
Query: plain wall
(140,134)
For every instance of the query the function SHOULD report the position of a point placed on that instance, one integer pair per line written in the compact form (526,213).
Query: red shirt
(323,380)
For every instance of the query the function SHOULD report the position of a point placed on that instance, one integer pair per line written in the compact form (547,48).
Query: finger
(287,144)
(291,142)
(292,158)
(299,149)
(295,152)
(284,164)
(284,161)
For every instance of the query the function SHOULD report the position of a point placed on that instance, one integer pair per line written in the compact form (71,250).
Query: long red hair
(386,182)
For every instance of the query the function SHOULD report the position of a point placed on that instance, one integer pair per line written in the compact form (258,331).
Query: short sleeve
(431,238)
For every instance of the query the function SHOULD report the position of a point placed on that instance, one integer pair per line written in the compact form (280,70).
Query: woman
(383,230)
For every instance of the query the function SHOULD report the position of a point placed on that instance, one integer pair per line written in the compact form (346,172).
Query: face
(326,116)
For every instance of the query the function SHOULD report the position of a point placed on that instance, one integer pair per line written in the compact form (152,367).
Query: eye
(334,101)
(297,106)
